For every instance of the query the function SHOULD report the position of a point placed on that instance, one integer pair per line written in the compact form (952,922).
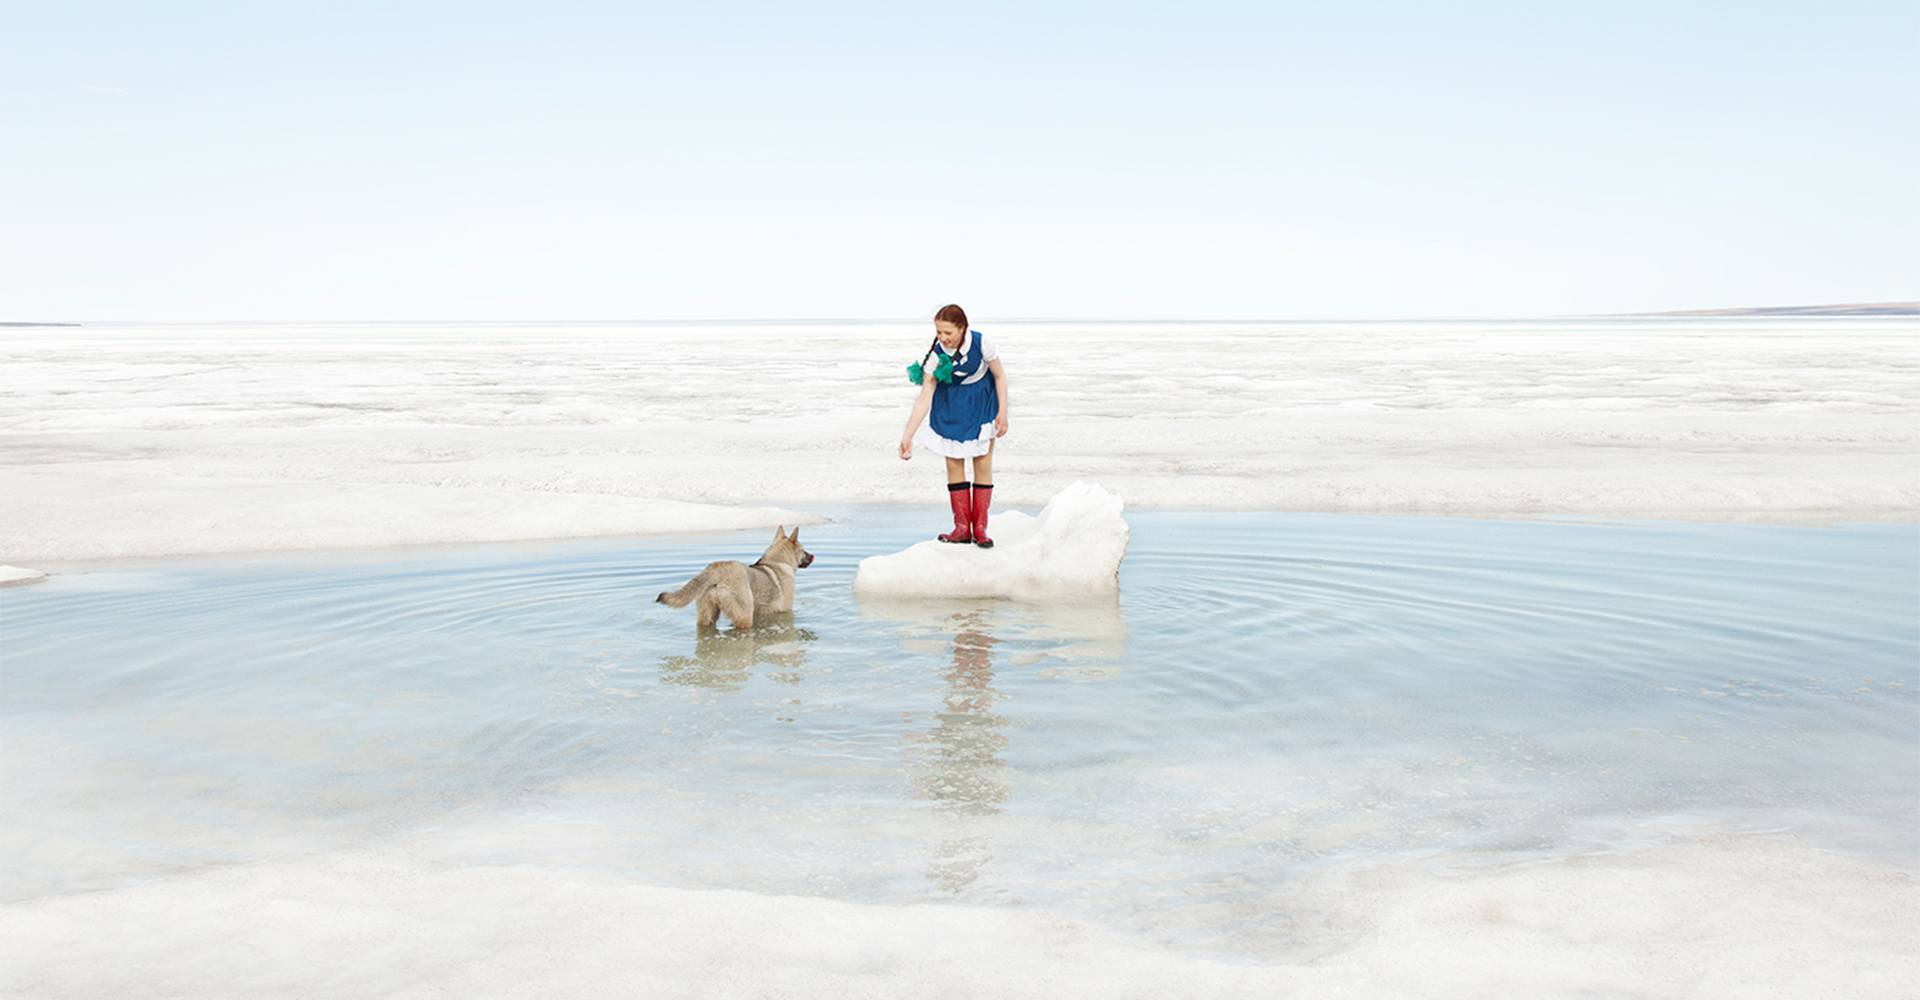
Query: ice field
(128,440)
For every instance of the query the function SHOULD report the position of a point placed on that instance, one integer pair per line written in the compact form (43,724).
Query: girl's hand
(1000,425)
(906,449)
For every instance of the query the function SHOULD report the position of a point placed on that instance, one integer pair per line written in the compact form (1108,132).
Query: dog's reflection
(724,659)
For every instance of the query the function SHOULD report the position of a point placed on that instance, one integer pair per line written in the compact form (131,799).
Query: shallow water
(1270,696)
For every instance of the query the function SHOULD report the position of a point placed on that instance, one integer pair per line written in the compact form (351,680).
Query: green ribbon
(942,372)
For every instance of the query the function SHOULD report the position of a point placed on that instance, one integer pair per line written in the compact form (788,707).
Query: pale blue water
(1270,693)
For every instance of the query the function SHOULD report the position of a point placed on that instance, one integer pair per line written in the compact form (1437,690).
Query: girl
(968,413)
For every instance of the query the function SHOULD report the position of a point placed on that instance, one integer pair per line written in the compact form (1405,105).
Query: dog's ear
(795,537)
(779,533)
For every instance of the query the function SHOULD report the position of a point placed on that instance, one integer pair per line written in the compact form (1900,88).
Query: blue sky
(599,160)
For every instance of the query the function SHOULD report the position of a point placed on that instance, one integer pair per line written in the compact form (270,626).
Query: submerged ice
(14,574)
(1072,549)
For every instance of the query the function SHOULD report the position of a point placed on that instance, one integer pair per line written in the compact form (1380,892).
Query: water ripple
(1267,693)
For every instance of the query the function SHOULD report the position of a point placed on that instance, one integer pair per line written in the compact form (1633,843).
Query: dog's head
(786,549)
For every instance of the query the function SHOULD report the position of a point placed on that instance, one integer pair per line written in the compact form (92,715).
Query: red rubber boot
(982,499)
(961,501)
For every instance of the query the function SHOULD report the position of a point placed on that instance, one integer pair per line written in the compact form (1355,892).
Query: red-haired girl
(963,399)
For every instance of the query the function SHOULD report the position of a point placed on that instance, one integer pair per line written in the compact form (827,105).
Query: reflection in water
(958,763)
(963,773)
(1076,640)
(724,659)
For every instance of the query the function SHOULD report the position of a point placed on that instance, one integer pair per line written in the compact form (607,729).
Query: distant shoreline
(38,324)
(1852,309)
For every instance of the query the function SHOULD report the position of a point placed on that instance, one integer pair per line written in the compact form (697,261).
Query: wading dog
(740,590)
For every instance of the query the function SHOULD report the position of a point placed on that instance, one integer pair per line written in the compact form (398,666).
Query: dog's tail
(689,593)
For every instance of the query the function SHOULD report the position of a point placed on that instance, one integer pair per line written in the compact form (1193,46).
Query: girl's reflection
(963,773)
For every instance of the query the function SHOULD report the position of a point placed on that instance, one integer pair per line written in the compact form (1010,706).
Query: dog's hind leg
(709,611)
(738,606)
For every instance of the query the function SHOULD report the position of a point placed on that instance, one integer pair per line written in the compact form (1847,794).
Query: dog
(741,591)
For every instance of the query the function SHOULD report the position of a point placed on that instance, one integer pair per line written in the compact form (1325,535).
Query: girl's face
(950,335)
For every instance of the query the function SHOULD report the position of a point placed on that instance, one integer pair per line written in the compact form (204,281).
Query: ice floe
(1072,549)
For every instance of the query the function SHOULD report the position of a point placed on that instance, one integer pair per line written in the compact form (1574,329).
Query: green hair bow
(942,372)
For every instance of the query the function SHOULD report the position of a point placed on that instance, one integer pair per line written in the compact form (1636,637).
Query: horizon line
(1882,309)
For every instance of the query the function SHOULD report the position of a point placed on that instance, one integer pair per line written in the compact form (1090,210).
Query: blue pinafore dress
(960,424)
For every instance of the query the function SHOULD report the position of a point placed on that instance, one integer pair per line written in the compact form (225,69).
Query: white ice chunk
(10,575)
(1072,549)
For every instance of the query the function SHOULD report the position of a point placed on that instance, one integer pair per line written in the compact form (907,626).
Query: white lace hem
(926,438)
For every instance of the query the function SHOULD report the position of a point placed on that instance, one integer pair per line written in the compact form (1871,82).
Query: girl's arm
(919,413)
(1000,387)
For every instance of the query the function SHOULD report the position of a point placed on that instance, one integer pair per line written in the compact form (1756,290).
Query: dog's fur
(740,591)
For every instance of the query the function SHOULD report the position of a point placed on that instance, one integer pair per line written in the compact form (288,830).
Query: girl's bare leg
(956,471)
(982,469)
